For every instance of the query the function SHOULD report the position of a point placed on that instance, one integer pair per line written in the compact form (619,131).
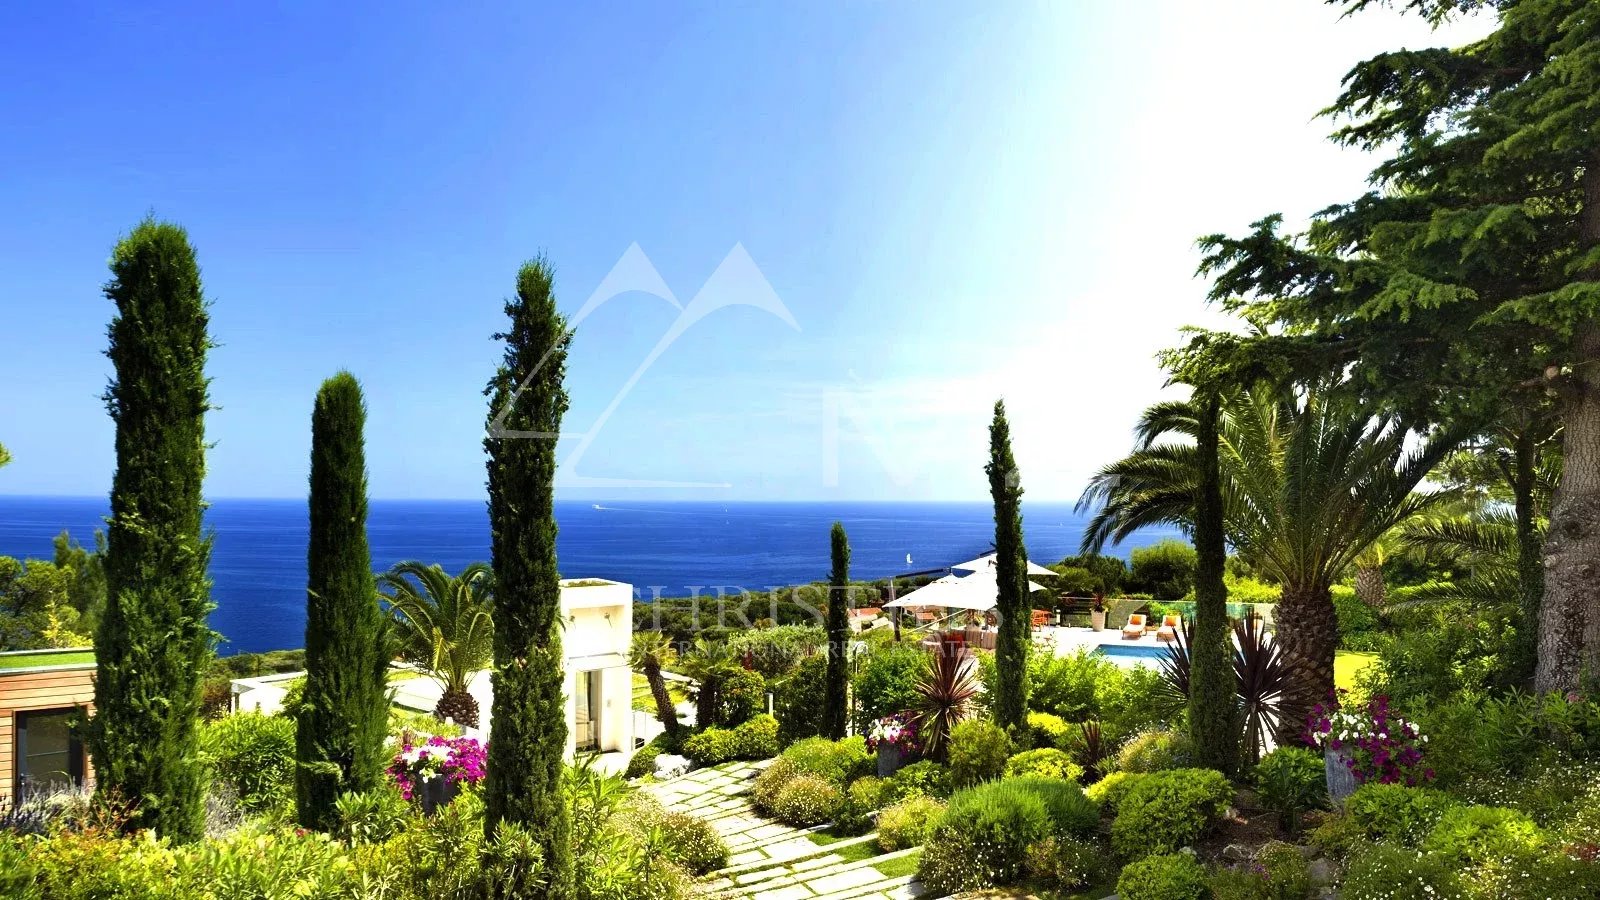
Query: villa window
(49,756)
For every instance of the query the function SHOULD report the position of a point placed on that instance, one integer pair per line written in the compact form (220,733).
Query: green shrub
(924,777)
(1391,812)
(1167,811)
(886,682)
(1357,621)
(643,761)
(1155,751)
(371,817)
(1291,781)
(977,752)
(253,755)
(775,652)
(1070,687)
(1047,762)
(950,864)
(692,842)
(908,823)
(1109,791)
(1066,862)
(865,796)
(764,792)
(838,761)
(1336,834)
(1477,834)
(994,824)
(755,738)
(806,800)
(1288,874)
(1049,730)
(743,694)
(709,747)
(797,700)
(1165,570)
(1389,872)
(1172,876)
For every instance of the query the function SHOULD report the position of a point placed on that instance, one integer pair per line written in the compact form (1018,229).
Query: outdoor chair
(1169,628)
(1135,627)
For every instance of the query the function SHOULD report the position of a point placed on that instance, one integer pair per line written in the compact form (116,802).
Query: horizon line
(6,495)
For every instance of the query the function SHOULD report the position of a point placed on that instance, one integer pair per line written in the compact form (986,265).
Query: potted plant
(894,739)
(431,769)
(1097,612)
(1370,743)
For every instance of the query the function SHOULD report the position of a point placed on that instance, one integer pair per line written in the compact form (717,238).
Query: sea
(663,549)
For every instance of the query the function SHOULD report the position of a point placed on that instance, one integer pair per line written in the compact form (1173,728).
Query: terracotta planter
(1097,619)
(892,759)
(1341,780)
(437,792)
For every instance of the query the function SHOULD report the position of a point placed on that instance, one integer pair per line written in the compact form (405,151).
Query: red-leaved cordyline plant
(460,760)
(1375,743)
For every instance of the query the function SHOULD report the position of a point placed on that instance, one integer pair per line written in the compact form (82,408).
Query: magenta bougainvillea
(459,760)
(1375,743)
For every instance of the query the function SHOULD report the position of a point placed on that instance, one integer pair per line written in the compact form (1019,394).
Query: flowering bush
(460,760)
(1375,743)
(898,730)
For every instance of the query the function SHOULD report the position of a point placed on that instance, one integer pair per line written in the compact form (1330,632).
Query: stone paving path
(771,861)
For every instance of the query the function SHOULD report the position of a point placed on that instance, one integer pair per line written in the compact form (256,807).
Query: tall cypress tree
(836,693)
(529,717)
(1011,575)
(345,712)
(153,645)
(1213,709)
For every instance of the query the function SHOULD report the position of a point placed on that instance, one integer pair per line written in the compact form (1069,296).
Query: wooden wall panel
(31,690)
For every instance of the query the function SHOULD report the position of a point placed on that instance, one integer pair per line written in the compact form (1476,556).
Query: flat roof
(15,660)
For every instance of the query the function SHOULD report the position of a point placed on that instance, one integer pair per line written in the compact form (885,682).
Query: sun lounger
(1169,628)
(1135,627)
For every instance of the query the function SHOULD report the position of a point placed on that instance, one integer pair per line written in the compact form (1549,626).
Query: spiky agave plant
(945,696)
(1091,750)
(1174,666)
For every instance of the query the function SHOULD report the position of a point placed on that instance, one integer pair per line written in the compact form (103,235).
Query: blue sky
(950,205)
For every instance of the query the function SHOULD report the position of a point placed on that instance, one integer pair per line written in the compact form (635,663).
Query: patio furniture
(1169,628)
(1135,627)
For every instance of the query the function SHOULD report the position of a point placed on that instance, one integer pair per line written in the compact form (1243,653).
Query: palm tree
(650,652)
(709,663)
(445,626)
(1309,484)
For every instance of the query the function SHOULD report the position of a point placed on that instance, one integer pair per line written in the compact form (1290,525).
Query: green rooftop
(35,658)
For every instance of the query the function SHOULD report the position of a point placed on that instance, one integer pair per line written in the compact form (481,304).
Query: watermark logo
(737,281)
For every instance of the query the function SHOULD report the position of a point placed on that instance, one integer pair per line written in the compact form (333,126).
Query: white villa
(598,616)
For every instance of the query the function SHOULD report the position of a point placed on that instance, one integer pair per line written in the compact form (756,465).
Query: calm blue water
(663,549)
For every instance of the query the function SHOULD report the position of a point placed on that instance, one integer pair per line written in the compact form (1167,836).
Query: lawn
(1347,665)
(644,701)
(25,660)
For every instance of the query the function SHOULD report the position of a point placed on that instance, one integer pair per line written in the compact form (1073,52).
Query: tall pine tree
(1213,709)
(1467,281)
(153,645)
(344,714)
(1011,574)
(836,693)
(527,401)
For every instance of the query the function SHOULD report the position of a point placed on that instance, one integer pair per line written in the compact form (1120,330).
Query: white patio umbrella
(976,592)
(985,563)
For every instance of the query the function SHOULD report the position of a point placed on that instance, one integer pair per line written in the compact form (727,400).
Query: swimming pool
(1132,651)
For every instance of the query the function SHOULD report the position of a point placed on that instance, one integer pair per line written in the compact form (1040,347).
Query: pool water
(1134,651)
